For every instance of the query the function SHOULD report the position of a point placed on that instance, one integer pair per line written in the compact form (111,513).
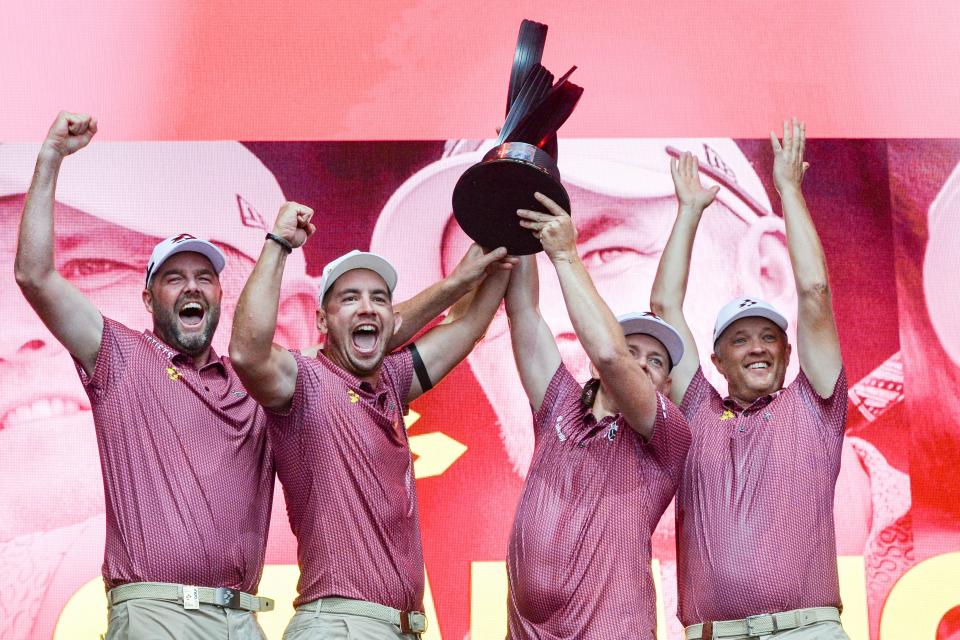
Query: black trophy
(524,161)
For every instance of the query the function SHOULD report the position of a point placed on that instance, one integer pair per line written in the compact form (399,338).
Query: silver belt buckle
(768,621)
(413,622)
(227,598)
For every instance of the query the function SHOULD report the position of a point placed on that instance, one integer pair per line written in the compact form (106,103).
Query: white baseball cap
(746,308)
(357,260)
(630,168)
(179,244)
(219,191)
(649,323)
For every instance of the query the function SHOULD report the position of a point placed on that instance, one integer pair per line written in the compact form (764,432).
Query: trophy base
(488,194)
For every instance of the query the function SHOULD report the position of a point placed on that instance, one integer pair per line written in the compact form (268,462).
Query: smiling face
(184,298)
(358,321)
(752,354)
(50,454)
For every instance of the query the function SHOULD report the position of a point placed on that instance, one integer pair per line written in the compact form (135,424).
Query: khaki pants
(311,625)
(818,631)
(144,618)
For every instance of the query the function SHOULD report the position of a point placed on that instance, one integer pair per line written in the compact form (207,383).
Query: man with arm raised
(756,549)
(607,458)
(336,424)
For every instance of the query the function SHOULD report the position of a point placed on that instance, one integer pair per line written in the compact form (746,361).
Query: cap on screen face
(629,168)
(649,323)
(179,244)
(219,191)
(357,260)
(746,308)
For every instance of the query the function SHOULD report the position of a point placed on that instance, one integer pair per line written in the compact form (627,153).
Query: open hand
(686,180)
(788,164)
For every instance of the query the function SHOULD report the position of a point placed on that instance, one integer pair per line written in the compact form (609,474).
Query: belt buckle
(413,622)
(227,597)
(768,628)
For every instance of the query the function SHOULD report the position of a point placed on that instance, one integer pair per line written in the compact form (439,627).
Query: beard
(166,324)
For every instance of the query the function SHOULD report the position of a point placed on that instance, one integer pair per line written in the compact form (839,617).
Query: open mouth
(758,366)
(365,338)
(191,314)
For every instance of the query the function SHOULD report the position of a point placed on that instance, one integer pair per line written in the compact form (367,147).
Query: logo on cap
(182,237)
(715,161)
(249,216)
(747,302)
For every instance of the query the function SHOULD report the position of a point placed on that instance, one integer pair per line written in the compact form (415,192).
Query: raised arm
(596,327)
(534,347)
(267,370)
(421,309)
(670,285)
(67,313)
(817,339)
(446,345)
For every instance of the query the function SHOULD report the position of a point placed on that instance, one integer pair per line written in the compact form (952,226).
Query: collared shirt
(187,476)
(344,460)
(579,555)
(755,530)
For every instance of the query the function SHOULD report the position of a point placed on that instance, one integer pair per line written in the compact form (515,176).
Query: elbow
(239,356)
(662,304)
(816,291)
(29,280)
(610,360)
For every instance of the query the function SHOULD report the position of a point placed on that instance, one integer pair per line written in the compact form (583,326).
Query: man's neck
(372,378)
(603,405)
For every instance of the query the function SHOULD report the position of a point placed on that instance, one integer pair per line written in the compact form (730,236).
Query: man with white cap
(756,549)
(112,204)
(623,203)
(186,468)
(338,434)
(607,460)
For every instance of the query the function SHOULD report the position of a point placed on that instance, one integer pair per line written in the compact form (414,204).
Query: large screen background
(875,81)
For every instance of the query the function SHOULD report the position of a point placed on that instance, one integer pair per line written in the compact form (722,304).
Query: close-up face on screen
(207,120)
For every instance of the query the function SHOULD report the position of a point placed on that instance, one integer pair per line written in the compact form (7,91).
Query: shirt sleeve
(561,398)
(831,413)
(116,342)
(291,416)
(671,438)
(697,392)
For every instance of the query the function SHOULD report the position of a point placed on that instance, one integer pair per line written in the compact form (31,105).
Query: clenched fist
(293,223)
(69,133)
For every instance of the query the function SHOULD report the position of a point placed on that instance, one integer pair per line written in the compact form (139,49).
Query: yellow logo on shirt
(354,398)
(727,415)
(174,374)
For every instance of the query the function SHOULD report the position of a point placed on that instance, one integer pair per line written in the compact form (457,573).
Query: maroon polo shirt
(579,555)
(343,458)
(755,530)
(187,474)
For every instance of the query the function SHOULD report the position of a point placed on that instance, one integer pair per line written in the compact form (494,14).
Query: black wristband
(420,369)
(280,241)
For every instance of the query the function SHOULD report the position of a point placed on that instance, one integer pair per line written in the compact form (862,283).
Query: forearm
(670,285)
(35,248)
(255,320)
(596,327)
(803,243)
(420,310)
